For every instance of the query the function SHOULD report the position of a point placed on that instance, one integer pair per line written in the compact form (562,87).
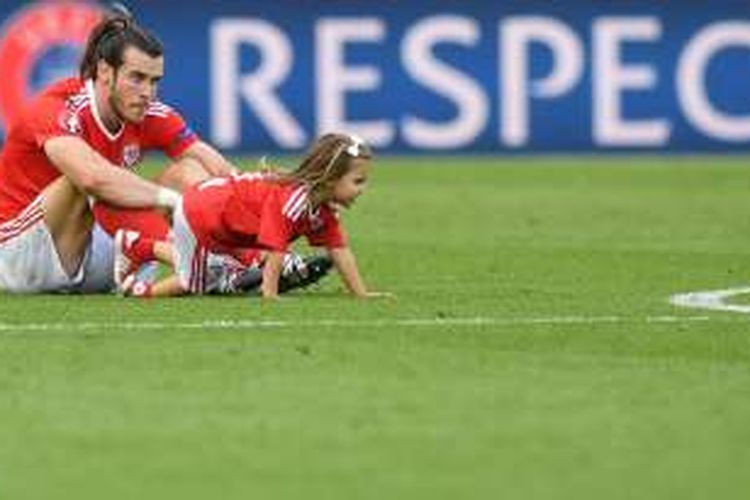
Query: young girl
(227,225)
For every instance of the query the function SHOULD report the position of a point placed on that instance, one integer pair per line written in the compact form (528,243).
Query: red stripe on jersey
(12,229)
(27,212)
(197,273)
(193,270)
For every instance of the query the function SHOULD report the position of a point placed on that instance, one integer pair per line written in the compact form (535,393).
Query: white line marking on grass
(713,300)
(7,329)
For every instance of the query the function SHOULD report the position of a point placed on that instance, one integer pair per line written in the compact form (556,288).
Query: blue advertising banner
(426,76)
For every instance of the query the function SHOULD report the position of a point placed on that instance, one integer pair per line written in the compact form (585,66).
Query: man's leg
(69,220)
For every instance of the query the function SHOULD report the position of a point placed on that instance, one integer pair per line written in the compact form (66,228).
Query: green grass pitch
(531,353)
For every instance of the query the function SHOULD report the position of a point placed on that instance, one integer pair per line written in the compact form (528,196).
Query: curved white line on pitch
(713,300)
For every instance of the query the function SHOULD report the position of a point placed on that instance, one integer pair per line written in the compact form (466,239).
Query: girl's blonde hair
(328,160)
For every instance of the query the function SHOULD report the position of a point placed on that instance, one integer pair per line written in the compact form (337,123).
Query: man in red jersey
(74,146)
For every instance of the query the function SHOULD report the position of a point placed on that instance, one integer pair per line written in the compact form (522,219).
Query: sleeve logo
(71,123)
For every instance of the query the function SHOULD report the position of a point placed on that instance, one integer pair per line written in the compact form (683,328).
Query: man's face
(134,84)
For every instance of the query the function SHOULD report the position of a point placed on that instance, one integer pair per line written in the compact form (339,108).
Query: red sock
(142,250)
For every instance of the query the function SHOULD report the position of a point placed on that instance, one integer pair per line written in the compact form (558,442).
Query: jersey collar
(97,117)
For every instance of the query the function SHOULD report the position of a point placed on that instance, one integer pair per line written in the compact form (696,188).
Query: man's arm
(212,161)
(96,176)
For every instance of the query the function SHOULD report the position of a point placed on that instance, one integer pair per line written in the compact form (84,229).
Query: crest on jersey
(40,44)
(71,122)
(131,155)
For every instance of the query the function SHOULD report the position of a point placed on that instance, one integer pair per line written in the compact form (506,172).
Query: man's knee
(68,219)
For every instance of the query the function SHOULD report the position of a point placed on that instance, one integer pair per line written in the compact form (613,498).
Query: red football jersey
(257,211)
(68,108)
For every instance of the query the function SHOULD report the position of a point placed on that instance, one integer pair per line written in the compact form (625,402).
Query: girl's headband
(355,148)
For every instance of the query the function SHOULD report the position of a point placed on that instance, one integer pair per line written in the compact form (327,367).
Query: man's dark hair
(109,39)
